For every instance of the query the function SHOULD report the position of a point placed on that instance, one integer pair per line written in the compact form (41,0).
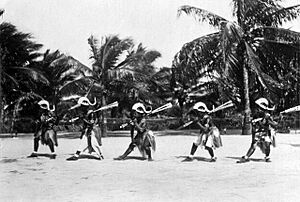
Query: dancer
(144,139)
(263,131)
(209,136)
(45,129)
(91,136)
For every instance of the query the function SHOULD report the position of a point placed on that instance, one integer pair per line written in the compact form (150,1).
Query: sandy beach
(167,178)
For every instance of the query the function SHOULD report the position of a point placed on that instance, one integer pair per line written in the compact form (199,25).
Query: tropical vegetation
(244,59)
(247,58)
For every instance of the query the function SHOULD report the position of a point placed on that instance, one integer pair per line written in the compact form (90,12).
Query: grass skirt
(212,139)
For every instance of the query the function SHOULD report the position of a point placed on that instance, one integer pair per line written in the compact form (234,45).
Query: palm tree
(18,51)
(137,79)
(1,91)
(61,71)
(116,69)
(237,55)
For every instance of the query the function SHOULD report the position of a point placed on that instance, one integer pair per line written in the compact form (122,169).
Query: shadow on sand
(197,158)
(251,159)
(86,156)
(8,160)
(139,158)
(295,145)
(42,155)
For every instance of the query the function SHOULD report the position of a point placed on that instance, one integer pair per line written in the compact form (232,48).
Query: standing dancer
(209,136)
(45,130)
(144,138)
(263,134)
(90,135)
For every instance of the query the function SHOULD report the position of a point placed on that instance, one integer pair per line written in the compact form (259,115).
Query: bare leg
(251,150)
(268,150)
(127,152)
(51,146)
(35,144)
(249,153)
(193,151)
(35,148)
(82,147)
(148,152)
(96,146)
(211,153)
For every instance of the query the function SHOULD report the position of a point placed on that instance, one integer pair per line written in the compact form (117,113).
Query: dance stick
(112,105)
(74,119)
(124,125)
(75,106)
(292,109)
(223,106)
(185,125)
(256,120)
(159,109)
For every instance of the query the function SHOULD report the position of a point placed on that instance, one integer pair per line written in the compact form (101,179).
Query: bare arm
(140,127)
(205,126)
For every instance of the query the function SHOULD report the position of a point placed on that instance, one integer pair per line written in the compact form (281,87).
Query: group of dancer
(263,132)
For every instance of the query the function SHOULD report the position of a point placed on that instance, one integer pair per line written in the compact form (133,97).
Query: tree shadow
(8,160)
(295,145)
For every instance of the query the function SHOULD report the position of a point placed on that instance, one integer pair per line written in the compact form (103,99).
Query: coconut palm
(113,59)
(61,71)
(1,91)
(18,52)
(121,71)
(138,80)
(238,55)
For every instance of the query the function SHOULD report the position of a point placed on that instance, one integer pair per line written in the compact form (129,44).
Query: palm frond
(111,56)
(11,78)
(93,42)
(290,45)
(198,57)
(255,64)
(67,65)
(279,34)
(202,15)
(32,74)
(280,15)
(151,56)
(79,85)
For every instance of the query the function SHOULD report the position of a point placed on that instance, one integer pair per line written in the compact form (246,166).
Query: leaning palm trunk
(103,118)
(1,95)
(1,90)
(246,130)
(15,113)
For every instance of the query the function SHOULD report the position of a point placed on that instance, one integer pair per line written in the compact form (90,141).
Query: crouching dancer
(45,129)
(91,136)
(144,139)
(263,133)
(209,136)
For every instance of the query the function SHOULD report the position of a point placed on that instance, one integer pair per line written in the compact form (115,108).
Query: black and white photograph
(150,100)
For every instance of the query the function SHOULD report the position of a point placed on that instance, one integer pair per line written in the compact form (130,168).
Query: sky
(67,24)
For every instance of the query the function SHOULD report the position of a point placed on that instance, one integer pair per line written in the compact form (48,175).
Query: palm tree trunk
(13,122)
(246,130)
(103,118)
(1,95)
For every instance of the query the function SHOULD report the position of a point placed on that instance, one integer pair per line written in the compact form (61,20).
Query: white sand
(165,179)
